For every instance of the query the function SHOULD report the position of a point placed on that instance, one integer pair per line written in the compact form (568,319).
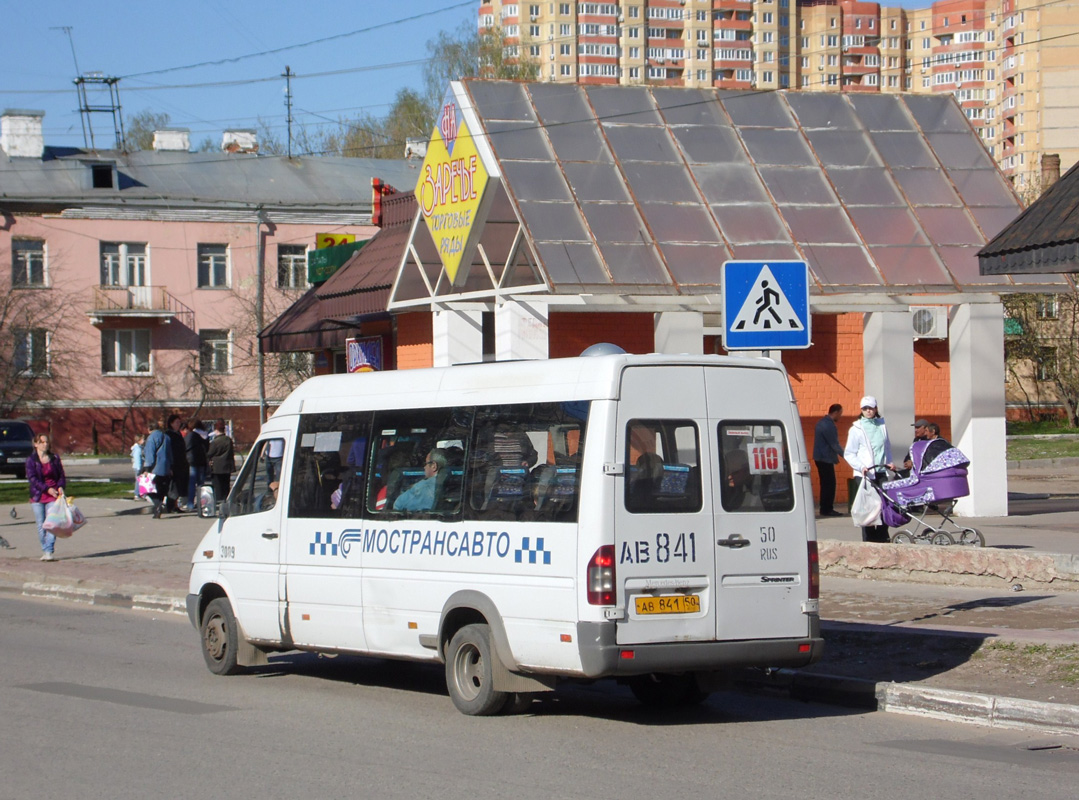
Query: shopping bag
(866,507)
(62,518)
(146,484)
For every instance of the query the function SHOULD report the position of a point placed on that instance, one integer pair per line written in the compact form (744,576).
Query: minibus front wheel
(220,638)
(470,672)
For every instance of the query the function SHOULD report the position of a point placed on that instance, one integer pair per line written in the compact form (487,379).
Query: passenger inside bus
(421,496)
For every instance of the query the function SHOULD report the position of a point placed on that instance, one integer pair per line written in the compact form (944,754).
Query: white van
(648,518)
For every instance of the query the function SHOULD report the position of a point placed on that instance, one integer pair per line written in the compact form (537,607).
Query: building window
(1045,366)
(213,266)
(292,266)
(1047,307)
(27,262)
(215,352)
(125,352)
(124,264)
(31,355)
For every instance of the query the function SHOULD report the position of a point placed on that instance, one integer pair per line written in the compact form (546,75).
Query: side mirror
(207,502)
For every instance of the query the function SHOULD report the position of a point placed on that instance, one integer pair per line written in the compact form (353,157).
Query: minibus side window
(417,463)
(524,462)
(663,472)
(254,492)
(754,467)
(328,466)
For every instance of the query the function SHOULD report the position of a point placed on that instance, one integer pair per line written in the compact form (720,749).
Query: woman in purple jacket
(47,481)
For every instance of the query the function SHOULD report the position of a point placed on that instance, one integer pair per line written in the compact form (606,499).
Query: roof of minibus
(553,380)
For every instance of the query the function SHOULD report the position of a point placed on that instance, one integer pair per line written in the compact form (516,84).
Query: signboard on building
(321,264)
(450,190)
(324,240)
(766,305)
(364,355)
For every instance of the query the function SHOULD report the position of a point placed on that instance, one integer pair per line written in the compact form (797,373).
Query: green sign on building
(321,264)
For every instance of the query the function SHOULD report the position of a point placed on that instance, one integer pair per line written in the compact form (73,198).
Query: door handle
(274,536)
(735,540)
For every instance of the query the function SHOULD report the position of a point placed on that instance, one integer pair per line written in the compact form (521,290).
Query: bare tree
(139,129)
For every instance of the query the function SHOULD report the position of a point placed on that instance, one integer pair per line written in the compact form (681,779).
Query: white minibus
(643,517)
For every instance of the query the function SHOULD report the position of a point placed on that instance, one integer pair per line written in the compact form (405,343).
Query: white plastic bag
(866,507)
(62,517)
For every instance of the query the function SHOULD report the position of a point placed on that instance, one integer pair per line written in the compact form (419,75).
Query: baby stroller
(929,489)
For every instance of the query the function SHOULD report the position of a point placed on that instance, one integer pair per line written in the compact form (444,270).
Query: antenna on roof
(100,84)
(287,75)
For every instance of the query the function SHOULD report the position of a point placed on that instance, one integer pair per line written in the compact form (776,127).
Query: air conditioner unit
(929,322)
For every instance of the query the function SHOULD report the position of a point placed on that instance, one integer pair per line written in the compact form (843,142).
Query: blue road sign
(766,305)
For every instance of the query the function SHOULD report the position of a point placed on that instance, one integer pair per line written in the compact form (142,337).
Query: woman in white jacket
(867,446)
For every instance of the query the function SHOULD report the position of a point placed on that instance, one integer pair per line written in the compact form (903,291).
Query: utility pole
(287,75)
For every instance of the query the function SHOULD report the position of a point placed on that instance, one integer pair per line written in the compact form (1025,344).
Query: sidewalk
(945,603)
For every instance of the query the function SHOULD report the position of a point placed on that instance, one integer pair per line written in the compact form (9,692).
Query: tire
(663,690)
(971,537)
(220,638)
(470,673)
(942,538)
(902,537)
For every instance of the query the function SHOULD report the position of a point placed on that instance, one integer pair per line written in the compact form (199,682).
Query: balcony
(115,303)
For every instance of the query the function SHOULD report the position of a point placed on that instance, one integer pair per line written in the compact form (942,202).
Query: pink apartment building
(138,282)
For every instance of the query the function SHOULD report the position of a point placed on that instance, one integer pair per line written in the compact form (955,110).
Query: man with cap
(921,432)
(868,446)
(826,453)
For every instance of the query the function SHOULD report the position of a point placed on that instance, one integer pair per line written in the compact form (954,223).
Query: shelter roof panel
(593,182)
(579,141)
(844,149)
(773,251)
(842,265)
(747,224)
(636,263)
(901,149)
(955,152)
(758,110)
(537,180)
(798,185)
(830,113)
(881,112)
(661,183)
(696,107)
(570,264)
(558,103)
(730,183)
(865,187)
(552,222)
(521,141)
(962,262)
(695,264)
(614,222)
(680,223)
(910,266)
(888,225)
(983,187)
(623,105)
(642,143)
(505,100)
(950,226)
(927,187)
(718,145)
(992,219)
(776,146)
(820,225)
(937,114)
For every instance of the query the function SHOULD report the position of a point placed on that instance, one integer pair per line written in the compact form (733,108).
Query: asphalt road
(105,703)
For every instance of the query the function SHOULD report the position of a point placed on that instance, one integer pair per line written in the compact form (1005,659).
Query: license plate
(668,604)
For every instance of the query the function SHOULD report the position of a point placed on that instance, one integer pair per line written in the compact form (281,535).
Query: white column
(888,358)
(679,332)
(458,337)
(976,348)
(521,331)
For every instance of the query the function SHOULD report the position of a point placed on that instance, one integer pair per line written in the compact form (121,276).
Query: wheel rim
(215,637)
(468,671)
(942,539)
(971,538)
(903,537)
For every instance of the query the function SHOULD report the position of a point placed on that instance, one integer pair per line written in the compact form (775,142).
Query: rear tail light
(814,572)
(600,577)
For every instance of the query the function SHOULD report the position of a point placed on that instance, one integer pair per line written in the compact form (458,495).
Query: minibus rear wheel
(469,672)
(220,638)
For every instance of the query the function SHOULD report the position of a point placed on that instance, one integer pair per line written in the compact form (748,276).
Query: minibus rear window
(663,472)
(755,471)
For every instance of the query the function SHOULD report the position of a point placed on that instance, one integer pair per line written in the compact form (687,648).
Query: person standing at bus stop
(867,447)
(222,458)
(826,453)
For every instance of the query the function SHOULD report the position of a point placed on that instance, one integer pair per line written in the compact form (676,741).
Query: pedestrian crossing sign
(766,305)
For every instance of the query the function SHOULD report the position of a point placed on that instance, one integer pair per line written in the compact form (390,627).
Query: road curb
(923,701)
(138,600)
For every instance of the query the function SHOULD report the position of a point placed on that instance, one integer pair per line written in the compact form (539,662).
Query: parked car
(16,445)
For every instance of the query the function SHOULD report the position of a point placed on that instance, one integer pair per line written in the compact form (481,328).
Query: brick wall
(415,340)
(571,333)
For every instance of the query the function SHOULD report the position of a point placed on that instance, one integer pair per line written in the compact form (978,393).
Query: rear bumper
(602,657)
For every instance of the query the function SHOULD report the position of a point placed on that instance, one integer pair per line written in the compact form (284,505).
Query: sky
(375,47)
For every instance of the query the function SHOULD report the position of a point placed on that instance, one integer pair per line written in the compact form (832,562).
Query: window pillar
(458,337)
(976,348)
(679,332)
(521,331)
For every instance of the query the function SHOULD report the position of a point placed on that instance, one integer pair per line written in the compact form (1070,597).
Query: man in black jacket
(177,497)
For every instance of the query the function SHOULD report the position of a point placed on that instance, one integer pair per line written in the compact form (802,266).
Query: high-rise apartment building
(1013,65)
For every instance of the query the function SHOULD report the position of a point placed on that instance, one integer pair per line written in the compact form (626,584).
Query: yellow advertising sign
(450,188)
(324,240)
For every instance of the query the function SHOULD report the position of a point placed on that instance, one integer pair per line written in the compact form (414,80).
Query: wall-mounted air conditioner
(929,322)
